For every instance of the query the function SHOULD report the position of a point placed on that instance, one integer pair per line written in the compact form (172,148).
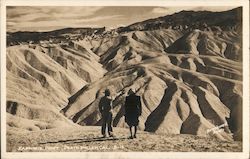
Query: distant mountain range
(61,34)
(190,20)
(184,20)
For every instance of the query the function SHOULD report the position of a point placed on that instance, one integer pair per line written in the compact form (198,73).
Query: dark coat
(105,105)
(132,109)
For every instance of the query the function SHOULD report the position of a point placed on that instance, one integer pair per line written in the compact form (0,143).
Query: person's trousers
(107,123)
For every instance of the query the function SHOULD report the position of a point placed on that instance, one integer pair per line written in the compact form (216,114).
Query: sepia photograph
(124,78)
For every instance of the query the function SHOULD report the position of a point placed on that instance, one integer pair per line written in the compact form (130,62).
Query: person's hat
(131,91)
(107,92)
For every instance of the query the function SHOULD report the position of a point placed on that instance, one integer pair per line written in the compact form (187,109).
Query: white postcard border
(228,155)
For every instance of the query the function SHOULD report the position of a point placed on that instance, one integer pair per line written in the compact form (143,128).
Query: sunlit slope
(182,92)
(40,79)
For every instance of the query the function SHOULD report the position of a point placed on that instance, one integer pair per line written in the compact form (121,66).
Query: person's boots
(130,137)
(111,134)
(103,136)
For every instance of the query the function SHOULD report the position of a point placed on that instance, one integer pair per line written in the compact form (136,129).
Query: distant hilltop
(184,21)
(190,20)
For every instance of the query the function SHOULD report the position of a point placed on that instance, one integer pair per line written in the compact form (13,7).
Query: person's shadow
(95,139)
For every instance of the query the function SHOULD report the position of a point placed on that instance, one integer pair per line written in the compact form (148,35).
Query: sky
(47,18)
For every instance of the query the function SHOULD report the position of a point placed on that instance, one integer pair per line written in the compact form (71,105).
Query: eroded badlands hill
(189,80)
(194,90)
(40,79)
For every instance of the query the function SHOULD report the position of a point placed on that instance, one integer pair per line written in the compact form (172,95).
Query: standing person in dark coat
(132,111)
(105,107)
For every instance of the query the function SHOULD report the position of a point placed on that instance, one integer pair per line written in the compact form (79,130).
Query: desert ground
(89,139)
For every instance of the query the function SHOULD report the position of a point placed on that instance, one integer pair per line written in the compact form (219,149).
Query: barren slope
(190,89)
(40,79)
